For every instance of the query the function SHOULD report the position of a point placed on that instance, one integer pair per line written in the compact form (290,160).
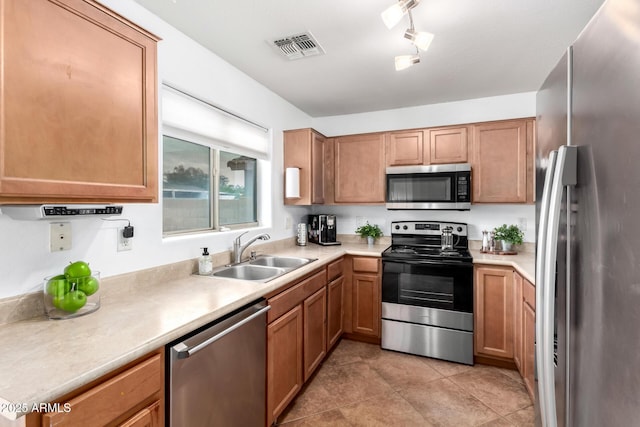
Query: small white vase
(506,246)
(370,240)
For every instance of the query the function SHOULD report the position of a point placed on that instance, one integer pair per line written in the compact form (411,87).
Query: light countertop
(43,359)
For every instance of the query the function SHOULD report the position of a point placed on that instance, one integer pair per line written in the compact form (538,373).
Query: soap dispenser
(205,266)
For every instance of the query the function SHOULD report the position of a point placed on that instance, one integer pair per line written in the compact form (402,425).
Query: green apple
(88,285)
(77,269)
(58,286)
(73,301)
(56,301)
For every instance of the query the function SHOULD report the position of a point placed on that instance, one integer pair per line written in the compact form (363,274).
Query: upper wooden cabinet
(447,145)
(305,149)
(502,162)
(359,169)
(404,148)
(431,146)
(79,105)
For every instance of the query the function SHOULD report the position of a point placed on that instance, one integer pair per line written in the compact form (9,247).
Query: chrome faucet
(239,248)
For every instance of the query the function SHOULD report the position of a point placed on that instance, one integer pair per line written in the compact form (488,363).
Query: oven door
(425,283)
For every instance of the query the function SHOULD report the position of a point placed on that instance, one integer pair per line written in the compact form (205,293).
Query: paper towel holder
(292,183)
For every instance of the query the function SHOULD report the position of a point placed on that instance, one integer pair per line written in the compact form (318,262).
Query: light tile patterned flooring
(362,385)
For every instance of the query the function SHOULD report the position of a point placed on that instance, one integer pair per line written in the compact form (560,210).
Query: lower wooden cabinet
(505,320)
(148,417)
(362,298)
(315,332)
(335,298)
(494,312)
(284,361)
(517,320)
(132,397)
(528,336)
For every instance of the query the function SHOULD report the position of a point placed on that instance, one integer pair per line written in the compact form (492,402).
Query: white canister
(302,234)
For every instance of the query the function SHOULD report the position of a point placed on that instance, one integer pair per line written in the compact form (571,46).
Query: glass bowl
(67,298)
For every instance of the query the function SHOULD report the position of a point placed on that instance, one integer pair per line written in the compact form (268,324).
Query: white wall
(24,255)
(480,217)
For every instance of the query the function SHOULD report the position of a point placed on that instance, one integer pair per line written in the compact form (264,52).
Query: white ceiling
(481,48)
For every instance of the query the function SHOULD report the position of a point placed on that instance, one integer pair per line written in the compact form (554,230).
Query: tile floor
(362,385)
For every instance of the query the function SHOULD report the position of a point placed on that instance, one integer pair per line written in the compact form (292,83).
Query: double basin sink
(262,269)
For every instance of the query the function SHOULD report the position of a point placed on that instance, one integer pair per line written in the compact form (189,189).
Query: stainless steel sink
(262,269)
(280,261)
(249,272)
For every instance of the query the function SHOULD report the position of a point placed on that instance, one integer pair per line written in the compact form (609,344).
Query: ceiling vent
(298,46)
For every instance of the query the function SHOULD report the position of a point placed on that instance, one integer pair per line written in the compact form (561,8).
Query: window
(206,186)
(189,204)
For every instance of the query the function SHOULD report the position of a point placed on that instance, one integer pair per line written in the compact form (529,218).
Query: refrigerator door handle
(564,174)
(540,248)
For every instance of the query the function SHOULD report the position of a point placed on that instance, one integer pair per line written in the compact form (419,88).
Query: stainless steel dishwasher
(216,375)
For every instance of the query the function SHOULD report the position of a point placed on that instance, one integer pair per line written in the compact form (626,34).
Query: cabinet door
(517,316)
(315,331)
(404,148)
(148,417)
(494,312)
(107,402)
(447,145)
(366,304)
(335,291)
(284,361)
(79,105)
(528,339)
(359,169)
(305,149)
(499,162)
(317,168)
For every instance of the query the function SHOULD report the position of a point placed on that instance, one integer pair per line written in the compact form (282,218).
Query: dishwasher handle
(184,351)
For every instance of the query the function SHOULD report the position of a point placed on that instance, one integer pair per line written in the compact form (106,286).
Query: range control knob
(404,227)
(459,229)
(397,227)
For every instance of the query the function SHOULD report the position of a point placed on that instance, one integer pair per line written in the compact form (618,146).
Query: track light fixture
(391,16)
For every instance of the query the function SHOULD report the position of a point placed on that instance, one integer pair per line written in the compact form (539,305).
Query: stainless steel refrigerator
(588,227)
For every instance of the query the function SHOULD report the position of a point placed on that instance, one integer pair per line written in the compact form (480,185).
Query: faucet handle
(239,236)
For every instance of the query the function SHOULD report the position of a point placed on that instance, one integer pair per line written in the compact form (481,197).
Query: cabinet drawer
(366,265)
(109,400)
(335,269)
(529,293)
(288,299)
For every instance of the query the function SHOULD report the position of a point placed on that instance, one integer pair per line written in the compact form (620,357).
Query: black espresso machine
(322,229)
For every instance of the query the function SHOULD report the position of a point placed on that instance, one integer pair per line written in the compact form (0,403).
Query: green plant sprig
(509,233)
(369,230)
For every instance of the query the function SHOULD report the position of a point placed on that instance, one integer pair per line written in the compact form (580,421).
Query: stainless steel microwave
(444,187)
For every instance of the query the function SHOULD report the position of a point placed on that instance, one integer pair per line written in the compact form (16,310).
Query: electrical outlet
(124,243)
(522,223)
(60,236)
(287,222)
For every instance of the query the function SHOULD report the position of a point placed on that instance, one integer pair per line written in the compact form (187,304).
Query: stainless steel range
(427,291)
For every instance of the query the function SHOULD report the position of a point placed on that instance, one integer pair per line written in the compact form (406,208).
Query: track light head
(421,39)
(406,61)
(393,14)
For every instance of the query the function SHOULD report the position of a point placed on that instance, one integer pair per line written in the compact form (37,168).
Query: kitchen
(189,65)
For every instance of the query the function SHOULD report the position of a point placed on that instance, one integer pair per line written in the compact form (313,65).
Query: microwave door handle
(540,285)
(564,174)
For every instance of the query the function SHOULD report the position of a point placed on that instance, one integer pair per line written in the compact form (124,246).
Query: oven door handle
(432,263)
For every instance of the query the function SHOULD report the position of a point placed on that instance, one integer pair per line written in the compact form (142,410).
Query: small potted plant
(509,235)
(371,232)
